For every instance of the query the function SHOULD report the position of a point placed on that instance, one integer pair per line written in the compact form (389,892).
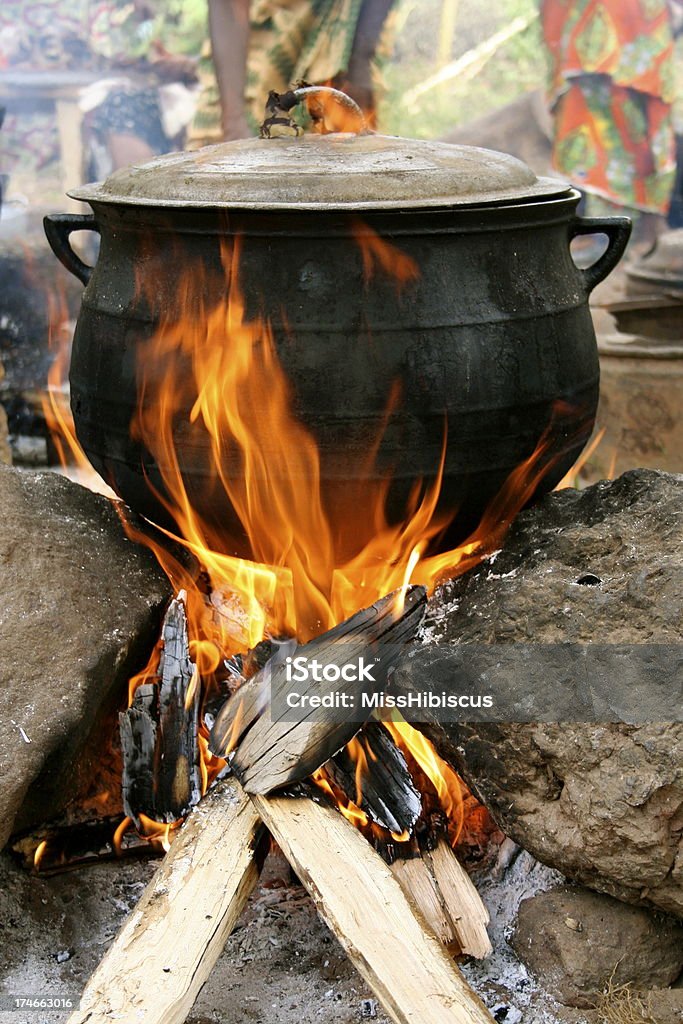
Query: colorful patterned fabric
(82,35)
(298,39)
(612,86)
(86,35)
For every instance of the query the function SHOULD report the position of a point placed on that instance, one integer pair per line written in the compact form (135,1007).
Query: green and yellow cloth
(289,40)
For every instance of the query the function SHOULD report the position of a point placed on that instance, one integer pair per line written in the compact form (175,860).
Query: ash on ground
(505,985)
(281,963)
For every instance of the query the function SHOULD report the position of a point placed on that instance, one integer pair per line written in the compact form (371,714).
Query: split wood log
(443,892)
(418,884)
(362,903)
(165,951)
(159,732)
(276,747)
(469,915)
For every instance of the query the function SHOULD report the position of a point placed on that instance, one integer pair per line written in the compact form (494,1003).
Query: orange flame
(158,834)
(445,781)
(380,255)
(224,368)
(39,854)
(329,115)
(55,403)
(570,478)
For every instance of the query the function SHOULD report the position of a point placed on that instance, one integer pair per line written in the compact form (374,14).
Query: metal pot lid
(334,172)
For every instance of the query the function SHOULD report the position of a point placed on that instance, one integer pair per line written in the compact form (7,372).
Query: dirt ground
(280,964)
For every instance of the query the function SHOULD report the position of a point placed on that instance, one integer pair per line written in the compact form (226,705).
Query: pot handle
(58,228)
(618,231)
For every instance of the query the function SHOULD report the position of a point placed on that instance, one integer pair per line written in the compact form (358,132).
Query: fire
(351,811)
(157,833)
(39,854)
(224,368)
(445,781)
(570,478)
(328,113)
(55,404)
(380,255)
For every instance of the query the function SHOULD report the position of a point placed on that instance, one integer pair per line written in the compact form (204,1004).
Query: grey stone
(602,802)
(79,613)
(579,943)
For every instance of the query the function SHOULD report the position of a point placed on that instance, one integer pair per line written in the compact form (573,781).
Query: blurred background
(586,90)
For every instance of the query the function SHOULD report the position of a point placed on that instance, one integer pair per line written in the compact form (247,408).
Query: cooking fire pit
(334,368)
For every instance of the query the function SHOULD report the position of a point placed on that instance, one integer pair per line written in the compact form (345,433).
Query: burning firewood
(403,962)
(271,749)
(159,732)
(378,780)
(166,950)
(67,846)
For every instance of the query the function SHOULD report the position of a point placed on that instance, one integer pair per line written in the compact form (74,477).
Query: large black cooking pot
(491,336)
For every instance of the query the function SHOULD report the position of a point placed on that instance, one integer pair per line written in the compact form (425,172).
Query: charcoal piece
(138,731)
(387,793)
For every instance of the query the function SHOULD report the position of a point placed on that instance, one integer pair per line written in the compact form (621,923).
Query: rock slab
(600,801)
(578,943)
(79,612)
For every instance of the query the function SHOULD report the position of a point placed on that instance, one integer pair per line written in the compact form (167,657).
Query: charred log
(375,777)
(272,750)
(159,732)
(66,847)
(138,730)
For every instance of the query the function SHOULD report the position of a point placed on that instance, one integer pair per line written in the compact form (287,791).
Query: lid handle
(322,102)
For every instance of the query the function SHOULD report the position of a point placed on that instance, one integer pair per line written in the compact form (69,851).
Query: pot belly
(495,382)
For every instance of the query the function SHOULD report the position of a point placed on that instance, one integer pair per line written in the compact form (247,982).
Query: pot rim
(545,190)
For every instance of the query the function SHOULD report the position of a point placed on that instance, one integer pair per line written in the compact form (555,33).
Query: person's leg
(357,79)
(229,28)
